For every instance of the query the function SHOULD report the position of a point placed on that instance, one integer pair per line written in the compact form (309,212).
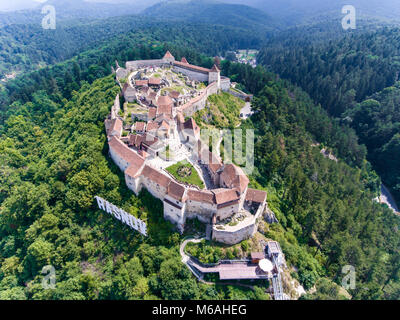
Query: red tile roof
(201,196)
(168,55)
(164,109)
(225,195)
(176,191)
(154,81)
(124,152)
(214,69)
(152,113)
(140,126)
(256,195)
(134,169)
(116,125)
(191,125)
(190,66)
(141,82)
(164,124)
(183,60)
(174,94)
(234,177)
(151,125)
(164,101)
(143,153)
(156,176)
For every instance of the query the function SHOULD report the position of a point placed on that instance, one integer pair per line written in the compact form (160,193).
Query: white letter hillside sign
(121,215)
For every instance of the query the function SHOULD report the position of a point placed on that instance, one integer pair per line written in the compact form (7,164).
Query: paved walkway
(236,270)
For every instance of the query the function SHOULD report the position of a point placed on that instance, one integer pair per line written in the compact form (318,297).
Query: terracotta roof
(234,177)
(134,140)
(225,195)
(256,195)
(164,124)
(154,81)
(156,176)
(201,196)
(174,94)
(163,117)
(214,69)
(124,152)
(164,109)
(168,55)
(151,125)
(141,82)
(210,160)
(183,60)
(164,101)
(116,125)
(140,126)
(143,153)
(190,66)
(134,169)
(191,125)
(152,113)
(149,139)
(176,191)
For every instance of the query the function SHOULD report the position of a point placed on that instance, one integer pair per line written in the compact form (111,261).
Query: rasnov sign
(121,215)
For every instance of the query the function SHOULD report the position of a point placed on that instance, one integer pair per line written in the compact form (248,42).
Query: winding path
(386,197)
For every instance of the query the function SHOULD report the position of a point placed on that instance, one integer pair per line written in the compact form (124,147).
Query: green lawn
(192,179)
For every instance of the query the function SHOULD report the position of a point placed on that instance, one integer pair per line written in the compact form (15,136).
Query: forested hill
(54,155)
(309,11)
(377,123)
(340,73)
(26,47)
(72,10)
(213,12)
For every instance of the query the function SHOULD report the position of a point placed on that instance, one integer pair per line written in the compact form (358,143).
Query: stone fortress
(161,96)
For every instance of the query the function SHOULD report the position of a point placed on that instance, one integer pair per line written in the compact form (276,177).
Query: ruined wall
(200,101)
(133,65)
(193,75)
(225,83)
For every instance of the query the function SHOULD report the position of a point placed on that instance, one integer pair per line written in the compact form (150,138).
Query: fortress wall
(115,108)
(203,211)
(199,102)
(122,164)
(223,213)
(173,213)
(131,65)
(242,96)
(193,75)
(225,83)
(233,237)
(133,184)
(156,190)
(121,73)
